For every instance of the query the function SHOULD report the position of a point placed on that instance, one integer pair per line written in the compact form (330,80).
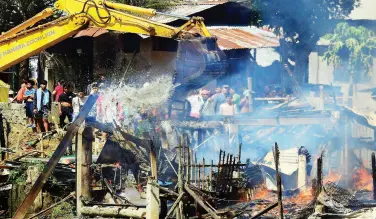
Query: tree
(300,23)
(156,4)
(353,47)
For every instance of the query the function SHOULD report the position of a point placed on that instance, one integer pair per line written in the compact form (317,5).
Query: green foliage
(64,210)
(300,23)
(156,4)
(19,175)
(352,45)
(14,12)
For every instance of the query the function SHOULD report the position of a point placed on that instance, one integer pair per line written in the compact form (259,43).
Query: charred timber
(200,202)
(53,161)
(266,210)
(374,175)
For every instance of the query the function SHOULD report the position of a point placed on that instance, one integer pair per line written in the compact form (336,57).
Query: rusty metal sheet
(247,37)
(91,32)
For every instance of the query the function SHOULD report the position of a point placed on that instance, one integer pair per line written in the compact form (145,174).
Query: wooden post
(197,169)
(374,175)
(173,207)
(192,168)
(200,202)
(199,177)
(319,176)
(59,152)
(84,161)
(184,167)
(250,98)
(153,162)
(218,171)
(179,211)
(203,173)
(152,194)
(211,176)
(279,182)
(2,138)
(189,165)
(240,153)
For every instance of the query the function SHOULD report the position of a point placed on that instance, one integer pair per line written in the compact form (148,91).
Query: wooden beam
(374,175)
(279,181)
(131,212)
(200,202)
(84,161)
(59,152)
(174,205)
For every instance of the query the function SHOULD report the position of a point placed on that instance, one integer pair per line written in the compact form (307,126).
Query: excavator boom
(198,58)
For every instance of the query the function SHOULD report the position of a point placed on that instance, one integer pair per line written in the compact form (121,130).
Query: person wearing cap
(220,98)
(42,106)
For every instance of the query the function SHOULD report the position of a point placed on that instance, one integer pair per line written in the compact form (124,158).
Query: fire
(332,177)
(362,179)
(303,198)
(261,193)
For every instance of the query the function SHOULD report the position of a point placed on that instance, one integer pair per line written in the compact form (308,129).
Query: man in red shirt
(58,90)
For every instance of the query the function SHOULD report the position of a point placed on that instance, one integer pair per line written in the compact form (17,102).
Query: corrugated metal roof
(186,10)
(91,32)
(248,37)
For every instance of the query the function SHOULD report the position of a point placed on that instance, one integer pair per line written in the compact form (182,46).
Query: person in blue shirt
(42,106)
(29,102)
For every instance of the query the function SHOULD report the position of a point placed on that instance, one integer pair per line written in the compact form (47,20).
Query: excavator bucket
(199,60)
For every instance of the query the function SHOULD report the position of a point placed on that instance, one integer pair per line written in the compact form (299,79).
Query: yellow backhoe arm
(24,40)
(31,42)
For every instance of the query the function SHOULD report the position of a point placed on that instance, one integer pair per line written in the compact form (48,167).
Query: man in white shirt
(227,108)
(196,102)
(77,103)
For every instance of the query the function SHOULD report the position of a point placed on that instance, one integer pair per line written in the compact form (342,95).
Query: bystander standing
(220,98)
(65,104)
(227,108)
(42,106)
(19,98)
(196,102)
(207,108)
(59,89)
(29,102)
(235,98)
(244,102)
(77,103)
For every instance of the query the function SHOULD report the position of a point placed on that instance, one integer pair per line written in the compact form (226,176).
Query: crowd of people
(38,103)
(223,101)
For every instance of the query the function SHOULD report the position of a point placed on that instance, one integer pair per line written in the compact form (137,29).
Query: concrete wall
(14,113)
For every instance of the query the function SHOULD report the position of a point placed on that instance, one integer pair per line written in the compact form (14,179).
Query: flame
(261,193)
(362,179)
(332,177)
(303,198)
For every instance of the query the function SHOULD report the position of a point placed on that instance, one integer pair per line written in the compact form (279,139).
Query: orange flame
(362,179)
(261,193)
(332,177)
(303,198)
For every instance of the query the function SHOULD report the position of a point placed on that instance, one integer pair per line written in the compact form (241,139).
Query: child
(29,102)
